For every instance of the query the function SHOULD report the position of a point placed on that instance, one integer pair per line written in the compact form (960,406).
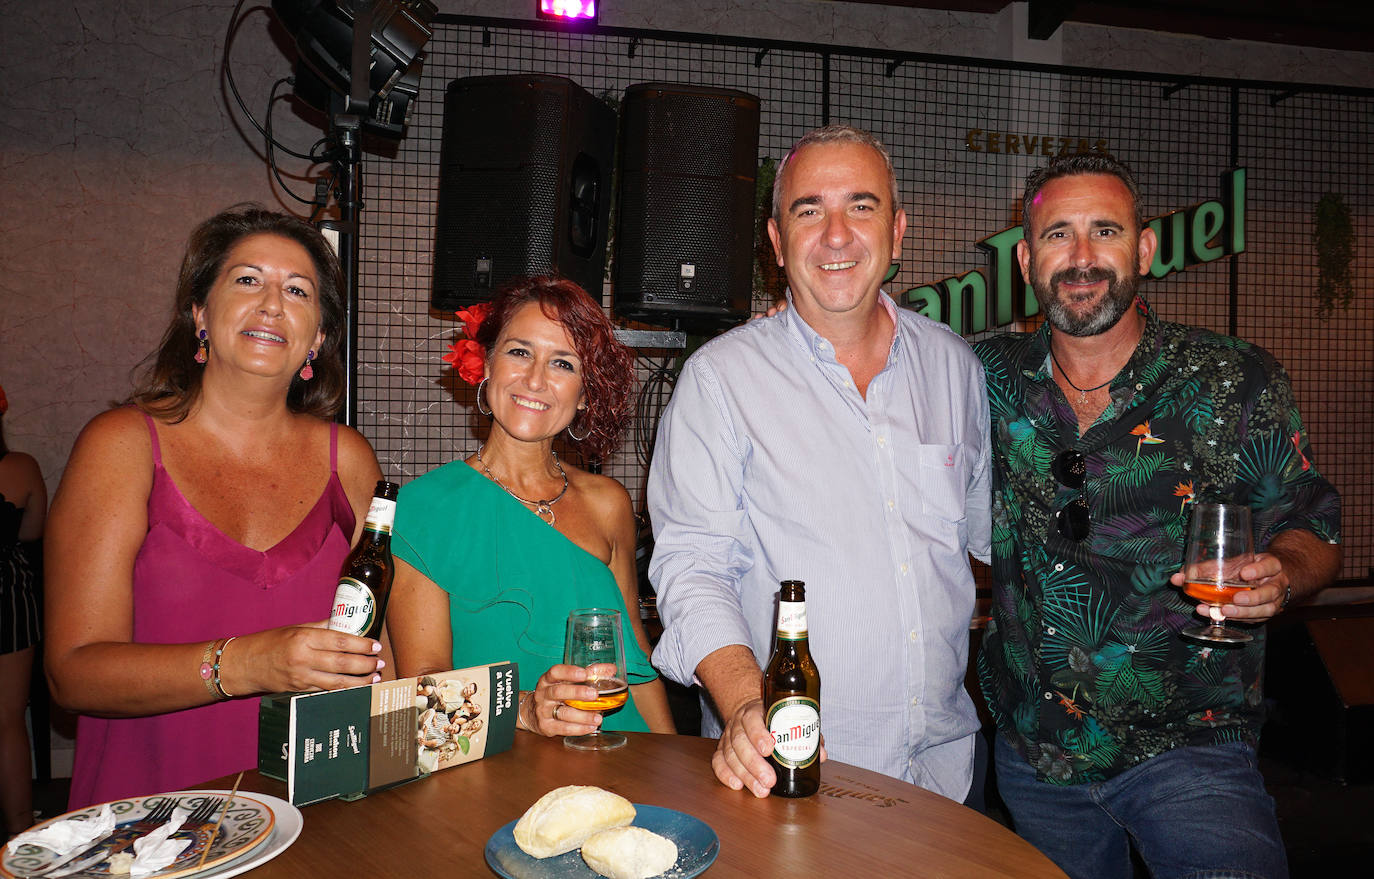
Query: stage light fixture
(359,62)
(333,36)
(571,11)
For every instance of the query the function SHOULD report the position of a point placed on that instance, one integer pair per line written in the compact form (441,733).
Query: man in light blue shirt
(842,442)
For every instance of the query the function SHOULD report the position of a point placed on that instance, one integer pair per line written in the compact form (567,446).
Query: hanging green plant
(1333,234)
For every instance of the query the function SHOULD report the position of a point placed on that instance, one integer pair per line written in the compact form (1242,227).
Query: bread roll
(563,819)
(629,853)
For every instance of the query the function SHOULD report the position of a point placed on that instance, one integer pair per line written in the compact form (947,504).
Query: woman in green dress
(493,552)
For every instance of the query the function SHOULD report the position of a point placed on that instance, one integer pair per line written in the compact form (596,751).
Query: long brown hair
(170,383)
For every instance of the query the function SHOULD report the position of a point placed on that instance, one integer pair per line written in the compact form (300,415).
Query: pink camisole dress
(192,583)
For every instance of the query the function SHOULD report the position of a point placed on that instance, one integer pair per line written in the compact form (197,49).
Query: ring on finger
(557,705)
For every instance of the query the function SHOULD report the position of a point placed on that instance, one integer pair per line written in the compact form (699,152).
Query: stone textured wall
(116,140)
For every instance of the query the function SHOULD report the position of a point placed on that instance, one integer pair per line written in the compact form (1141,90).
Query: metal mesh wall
(963,136)
(1298,149)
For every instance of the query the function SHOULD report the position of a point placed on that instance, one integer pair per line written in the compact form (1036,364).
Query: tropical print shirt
(1082,665)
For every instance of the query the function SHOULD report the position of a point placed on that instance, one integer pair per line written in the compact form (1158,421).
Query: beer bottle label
(795,722)
(792,620)
(354,607)
(380,515)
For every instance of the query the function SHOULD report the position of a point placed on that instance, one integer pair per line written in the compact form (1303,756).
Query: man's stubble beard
(1120,294)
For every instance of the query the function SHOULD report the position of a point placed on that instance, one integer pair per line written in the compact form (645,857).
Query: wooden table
(860,824)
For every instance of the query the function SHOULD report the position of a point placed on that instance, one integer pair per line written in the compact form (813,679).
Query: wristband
(215,681)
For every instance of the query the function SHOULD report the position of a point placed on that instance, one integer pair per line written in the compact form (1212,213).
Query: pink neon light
(571,9)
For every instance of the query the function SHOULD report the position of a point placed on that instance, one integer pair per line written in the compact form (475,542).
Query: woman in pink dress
(196,538)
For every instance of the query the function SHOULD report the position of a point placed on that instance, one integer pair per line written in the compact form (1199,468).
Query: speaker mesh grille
(510,144)
(686,197)
(516,246)
(685,219)
(504,122)
(672,127)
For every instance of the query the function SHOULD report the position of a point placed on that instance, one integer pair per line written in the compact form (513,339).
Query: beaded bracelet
(214,679)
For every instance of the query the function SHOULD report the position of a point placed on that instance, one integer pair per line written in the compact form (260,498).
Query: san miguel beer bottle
(792,699)
(365,581)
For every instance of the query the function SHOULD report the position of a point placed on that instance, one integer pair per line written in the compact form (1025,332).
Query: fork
(158,816)
(203,816)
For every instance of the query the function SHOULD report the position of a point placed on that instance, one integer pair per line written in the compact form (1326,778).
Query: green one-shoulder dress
(511,578)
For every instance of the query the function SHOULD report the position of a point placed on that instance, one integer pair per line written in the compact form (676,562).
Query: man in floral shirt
(1107,424)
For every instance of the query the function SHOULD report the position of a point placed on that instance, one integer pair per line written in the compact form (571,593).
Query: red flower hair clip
(465,355)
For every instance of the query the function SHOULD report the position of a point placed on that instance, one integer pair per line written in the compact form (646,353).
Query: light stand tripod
(346,153)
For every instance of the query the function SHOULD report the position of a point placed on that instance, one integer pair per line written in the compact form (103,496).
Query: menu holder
(348,743)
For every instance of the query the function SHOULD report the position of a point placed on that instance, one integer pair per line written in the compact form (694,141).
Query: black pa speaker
(524,186)
(685,212)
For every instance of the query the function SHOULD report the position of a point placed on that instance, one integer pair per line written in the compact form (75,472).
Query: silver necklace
(1082,392)
(542,509)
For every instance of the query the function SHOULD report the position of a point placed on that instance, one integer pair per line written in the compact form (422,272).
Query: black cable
(653,396)
(233,88)
(271,155)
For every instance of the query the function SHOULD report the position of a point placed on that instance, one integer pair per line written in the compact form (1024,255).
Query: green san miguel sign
(996,296)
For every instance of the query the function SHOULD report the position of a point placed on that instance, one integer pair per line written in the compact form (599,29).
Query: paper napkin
(68,835)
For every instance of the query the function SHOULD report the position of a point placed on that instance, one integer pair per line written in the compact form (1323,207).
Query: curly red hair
(608,372)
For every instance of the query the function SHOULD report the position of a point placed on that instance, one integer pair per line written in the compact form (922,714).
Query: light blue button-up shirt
(769,466)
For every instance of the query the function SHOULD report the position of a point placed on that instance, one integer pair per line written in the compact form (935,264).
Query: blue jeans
(1192,813)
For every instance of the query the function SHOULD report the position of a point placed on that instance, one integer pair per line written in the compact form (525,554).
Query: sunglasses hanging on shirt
(1070,469)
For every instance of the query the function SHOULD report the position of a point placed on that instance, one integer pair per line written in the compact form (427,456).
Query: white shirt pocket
(942,480)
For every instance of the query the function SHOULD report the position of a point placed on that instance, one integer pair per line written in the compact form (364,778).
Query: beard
(1103,316)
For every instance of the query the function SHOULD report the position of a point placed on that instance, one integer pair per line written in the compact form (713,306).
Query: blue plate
(697,846)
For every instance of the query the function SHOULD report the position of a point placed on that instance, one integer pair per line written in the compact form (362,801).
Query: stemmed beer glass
(594,642)
(1220,543)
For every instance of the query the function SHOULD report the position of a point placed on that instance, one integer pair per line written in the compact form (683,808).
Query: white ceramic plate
(256,828)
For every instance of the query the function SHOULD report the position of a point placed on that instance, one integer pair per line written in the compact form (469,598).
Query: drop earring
(308,371)
(202,347)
